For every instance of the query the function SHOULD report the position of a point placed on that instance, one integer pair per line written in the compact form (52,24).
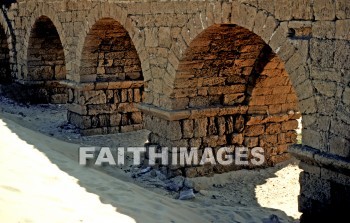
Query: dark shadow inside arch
(5,70)
(46,63)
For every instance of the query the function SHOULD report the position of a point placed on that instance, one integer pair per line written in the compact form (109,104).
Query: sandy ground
(41,180)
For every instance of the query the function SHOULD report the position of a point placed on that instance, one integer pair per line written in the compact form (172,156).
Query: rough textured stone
(196,60)
(324,10)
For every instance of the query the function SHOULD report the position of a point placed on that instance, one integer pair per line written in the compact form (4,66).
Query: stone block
(342,29)
(325,87)
(302,9)
(340,128)
(322,53)
(212,129)
(210,141)
(221,125)
(115,120)
(342,55)
(273,128)
(187,128)
(254,130)
(200,127)
(136,117)
(195,142)
(239,123)
(339,146)
(251,142)
(276,109)
(237,139)
(308,106)
(164,37)
(323,29)
(198,102)
(240,12)
(94,97)
(266,5)
(290,125)
(325,105)
(151,35)
(283,9)
(173,130)
(314,139)
(324,9)
(326,74)
(342,9)
(275,159)
(275,99)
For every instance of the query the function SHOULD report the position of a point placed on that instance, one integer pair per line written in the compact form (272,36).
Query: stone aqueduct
(196,73)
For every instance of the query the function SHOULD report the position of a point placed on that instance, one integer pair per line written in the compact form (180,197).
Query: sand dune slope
(39,183)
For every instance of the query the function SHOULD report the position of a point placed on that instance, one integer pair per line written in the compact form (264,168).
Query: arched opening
(242,92)
(5,71)
(46,62)
(110,60)
(109,54)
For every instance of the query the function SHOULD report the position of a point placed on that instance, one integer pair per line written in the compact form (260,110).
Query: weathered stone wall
(105,107)
(230,90)
(324,193)
(311,38)
(110,59)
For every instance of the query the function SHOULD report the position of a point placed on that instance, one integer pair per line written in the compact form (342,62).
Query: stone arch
(46,62)
(266,26)
(119,15)
(109,54)
(111,80)
(230,89)
(45,55)
(42,10)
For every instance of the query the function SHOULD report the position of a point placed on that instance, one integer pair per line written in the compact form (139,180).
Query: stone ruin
(196,74)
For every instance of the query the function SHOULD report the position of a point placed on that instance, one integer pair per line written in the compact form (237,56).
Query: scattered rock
(175,184)
(171,186)
(153,173)
(141,172)
(187,195)
(145,170)
(160,175)
(179,180)
(204,192)
(188,183)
